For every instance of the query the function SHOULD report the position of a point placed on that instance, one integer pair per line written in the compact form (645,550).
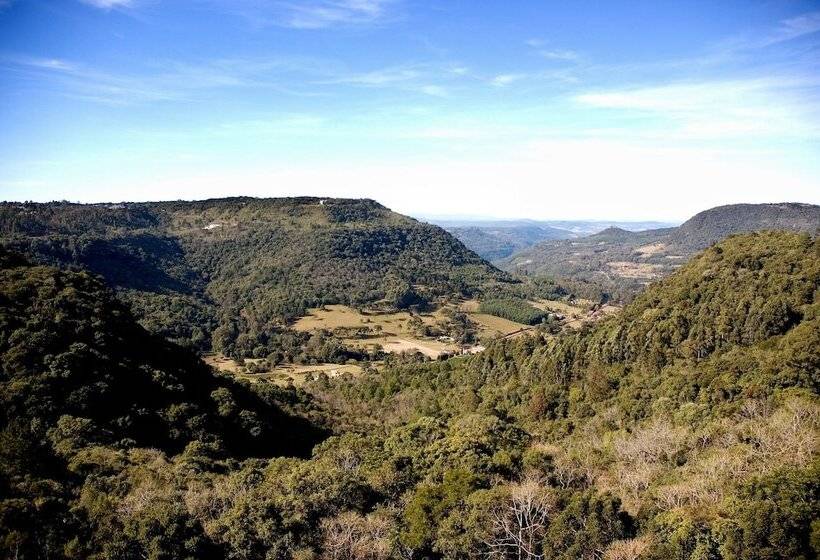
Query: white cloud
(795,27)
(407,78)
(385,76)
(435,91)
(541,47)
(162,80)
(310,14)
(559,54)
(315,15)
(49,64)
(108,4)
(503,80)
(772,106)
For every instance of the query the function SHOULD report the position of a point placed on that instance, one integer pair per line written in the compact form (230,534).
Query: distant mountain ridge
(493,243)
(578,227)
(496,240)
(709,226)
(619,263)
(230,273)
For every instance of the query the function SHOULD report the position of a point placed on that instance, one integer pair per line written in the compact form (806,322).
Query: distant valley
(617,264)
(240,277)
(498,239)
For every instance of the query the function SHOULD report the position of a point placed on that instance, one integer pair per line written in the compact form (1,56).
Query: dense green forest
(685,427)
(616,264)
(513,309)
(230,274)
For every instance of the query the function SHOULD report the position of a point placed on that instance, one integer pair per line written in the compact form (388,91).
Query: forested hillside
(87,394)
(618,264)
(229,274)
(685,427)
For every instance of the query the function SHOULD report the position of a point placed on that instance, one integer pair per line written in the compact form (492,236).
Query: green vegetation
(616,264)
(229,275)
(685,427)
(513,309)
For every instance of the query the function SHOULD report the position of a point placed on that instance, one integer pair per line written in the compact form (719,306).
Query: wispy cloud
(418,78)
(503,80)
(316,15)
(108,4)
(163,81)
(772,106)
(783,31)
(310,14)
(795,27)
(381,77)
(48,64)
(559,54)
(543,48)
(434,90)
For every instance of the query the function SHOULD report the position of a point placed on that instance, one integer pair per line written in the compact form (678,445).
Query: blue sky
(618,110)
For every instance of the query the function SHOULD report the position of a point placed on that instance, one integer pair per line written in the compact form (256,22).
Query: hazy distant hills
(498,239)
(495,243)
(239,269)
(620,262)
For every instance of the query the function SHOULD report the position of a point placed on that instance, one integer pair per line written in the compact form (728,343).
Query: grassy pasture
(395,332)
(282,374)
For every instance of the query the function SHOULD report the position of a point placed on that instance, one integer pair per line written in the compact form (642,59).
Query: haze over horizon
(636,112)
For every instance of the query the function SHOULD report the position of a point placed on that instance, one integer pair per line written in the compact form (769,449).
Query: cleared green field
(398,331)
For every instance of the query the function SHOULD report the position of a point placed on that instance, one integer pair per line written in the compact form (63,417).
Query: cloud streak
(108,4)
(503,80)
(309,14)
(792,28)
(559,54)
(772,106)
(163,81)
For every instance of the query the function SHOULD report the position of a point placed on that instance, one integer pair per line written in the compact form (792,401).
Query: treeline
(513,309)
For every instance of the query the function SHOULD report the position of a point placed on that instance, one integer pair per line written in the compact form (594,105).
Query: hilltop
(714,224)
(620,263)
(231,274)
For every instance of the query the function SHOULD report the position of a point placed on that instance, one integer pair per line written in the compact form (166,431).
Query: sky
(544,110)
